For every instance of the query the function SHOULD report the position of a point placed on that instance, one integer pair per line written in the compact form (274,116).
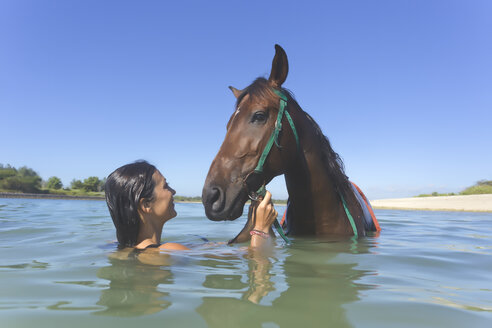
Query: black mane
(333,162)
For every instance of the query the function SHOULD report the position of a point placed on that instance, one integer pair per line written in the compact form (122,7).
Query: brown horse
(314,174)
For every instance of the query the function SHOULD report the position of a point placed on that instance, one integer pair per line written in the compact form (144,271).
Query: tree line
(25,179)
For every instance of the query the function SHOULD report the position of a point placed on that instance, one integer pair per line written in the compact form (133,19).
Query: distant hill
(481,187)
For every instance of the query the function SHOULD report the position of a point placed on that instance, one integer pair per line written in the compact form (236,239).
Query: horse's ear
(280,67)
(236,92)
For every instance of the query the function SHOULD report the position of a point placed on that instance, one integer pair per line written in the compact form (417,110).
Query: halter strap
(283,104)
(276,132)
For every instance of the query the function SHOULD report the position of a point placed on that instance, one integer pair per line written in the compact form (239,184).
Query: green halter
(274,139)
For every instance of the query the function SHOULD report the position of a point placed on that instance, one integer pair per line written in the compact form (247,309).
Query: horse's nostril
(216,199)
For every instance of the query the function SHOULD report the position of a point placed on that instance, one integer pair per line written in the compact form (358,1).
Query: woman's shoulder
(149,255)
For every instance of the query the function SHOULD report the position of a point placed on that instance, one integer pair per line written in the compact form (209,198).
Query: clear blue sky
(403,89)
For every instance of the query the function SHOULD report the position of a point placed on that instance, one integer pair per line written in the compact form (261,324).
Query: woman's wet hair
(124,188)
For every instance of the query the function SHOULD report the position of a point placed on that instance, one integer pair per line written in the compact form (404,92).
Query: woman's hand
(265,214)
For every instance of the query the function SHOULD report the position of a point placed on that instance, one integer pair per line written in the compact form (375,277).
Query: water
(57,269)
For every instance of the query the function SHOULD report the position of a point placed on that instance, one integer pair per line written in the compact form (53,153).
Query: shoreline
(47,196)
(458,203)
(55,196)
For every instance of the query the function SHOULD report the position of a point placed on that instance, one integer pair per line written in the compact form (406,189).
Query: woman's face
(163,203)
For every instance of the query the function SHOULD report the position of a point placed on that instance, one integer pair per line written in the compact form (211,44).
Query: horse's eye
(259,117)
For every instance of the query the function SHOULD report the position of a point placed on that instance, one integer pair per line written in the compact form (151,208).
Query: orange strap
(283,218)
(376,223)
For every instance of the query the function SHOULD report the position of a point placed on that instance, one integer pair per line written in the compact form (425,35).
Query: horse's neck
(315,204)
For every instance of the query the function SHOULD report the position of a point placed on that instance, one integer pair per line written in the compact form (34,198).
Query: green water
(426,269)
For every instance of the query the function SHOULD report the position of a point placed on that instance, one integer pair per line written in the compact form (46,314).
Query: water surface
(426,269)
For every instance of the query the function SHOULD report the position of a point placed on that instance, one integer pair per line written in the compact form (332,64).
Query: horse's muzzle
(222,205)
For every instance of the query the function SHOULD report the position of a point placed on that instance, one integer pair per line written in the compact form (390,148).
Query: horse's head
(231,177)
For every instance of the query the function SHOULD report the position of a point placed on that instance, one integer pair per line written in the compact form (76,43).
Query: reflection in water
(259,277)
(133,287)
(258,282)
(224,281)
(34,265)
(316,288)
(309,283)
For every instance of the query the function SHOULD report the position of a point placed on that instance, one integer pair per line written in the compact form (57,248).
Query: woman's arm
(173,247)
(265,216)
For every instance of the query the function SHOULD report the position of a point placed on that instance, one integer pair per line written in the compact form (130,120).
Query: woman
(140,202)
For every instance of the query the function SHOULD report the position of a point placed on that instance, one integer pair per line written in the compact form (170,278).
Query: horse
(269,135)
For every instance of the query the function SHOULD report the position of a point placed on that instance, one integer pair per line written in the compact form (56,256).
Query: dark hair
(124,188)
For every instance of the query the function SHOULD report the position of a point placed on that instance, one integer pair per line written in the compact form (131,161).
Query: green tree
(92,184)
(6,166)
(6,172)
(102,184)
(54,183)
(24,179)
(76,184)
(27,172)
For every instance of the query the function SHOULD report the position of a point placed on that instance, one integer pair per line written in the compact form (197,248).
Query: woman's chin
(170,213)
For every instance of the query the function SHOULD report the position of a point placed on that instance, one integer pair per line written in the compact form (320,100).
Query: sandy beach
(468,203)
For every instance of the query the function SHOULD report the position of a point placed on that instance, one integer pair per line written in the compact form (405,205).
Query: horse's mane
(260,88)
(333,162)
